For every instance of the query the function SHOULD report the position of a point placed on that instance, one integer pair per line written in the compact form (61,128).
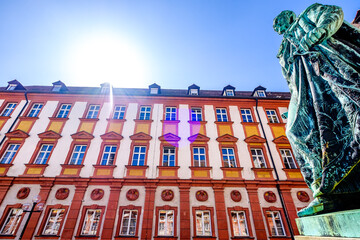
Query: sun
(106,58)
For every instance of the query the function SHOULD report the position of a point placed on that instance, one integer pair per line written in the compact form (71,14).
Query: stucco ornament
(132,194)
(97,194)
(167,195)
(235,196)
(270,196)
(302,196)
(23,193)
(320,59)
(62,193)
(201,195)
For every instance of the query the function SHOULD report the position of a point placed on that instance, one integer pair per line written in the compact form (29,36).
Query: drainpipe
(276,174)
(17,117)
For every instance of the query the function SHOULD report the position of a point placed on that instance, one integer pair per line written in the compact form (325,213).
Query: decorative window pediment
(82,135)
(169,137)
(111,136)
(17,134)
(49,134)
(198,138)
(141,136)
(255,139)
(281,140)
(227,138)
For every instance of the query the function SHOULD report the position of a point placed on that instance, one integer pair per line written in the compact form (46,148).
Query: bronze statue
(320,59)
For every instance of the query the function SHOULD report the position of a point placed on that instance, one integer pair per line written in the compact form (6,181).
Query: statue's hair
(288,13)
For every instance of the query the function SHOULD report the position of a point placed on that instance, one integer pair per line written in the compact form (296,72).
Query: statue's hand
(312,38)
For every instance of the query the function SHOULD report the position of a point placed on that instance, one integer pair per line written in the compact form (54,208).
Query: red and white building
(111,163)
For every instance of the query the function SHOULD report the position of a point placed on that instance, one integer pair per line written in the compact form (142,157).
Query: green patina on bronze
(320,59)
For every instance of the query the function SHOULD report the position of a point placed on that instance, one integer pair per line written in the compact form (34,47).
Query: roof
(145,92)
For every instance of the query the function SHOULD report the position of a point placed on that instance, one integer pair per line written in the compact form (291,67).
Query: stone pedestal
(335,225)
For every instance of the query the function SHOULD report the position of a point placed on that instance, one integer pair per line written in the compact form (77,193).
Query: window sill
(87,237)
(165,237)
(250,123)
(143,120)
(7,236)
(58,119)
(28,118)
(224,122)
(4,117)
(197,122)
(89,119)
(277,124)
(126,237)
(279,237)
(170,121)
(243,237)
(46,237)
(204,237)
(116,120)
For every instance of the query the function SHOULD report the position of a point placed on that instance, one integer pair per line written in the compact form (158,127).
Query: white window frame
(35,109)
(257,155)
(63,111)
(194,91)
(199,162)
(137,155)
(196,114)
(289,161)
(167,153)
(204,232)
(9,154)
(154,90)
(129,222)
(246,115)
(108,156)
(260,93)
(13,223)
(11,87)
(170,113)
(167,223)
(44,154)
(119,112)
(229,92)
(145,113)
(8,109)
(77,155)
(275,217)
(54,221)
(92,221)
(272,116)
(221,115)
(240,223)
(56,88)
(228,155)
(93,111)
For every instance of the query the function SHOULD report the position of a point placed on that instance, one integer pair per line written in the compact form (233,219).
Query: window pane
(91,222)
(9,153)
(54,220)
(128,223)
(11,222)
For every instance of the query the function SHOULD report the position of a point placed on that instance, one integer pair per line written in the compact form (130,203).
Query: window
(229,92)
(91,222)
(93,111)
(119,112)
(139,155)
(288,158)
(128,222)
(221,115)
(194,92)
(166,223)
(246,115)
(108,156)
(154,90)
(272,116)
(145,113)
(170,113)
(238,221)
(258,158)
(64,111)
(78,154)
(168,157)
(203,223)
(44,154)
(53,222)
(260,93)
(275,223)
(9,153)
(11,222)
(56,88)
(199,156)
(35,110)
(11,87)
(8,109)
(228,157)
(196,114)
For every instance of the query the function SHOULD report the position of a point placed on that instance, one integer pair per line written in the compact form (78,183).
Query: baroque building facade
(111,163)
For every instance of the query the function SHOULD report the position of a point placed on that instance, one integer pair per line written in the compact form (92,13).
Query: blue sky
(134,43)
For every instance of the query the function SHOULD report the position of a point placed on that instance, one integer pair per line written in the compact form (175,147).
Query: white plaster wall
(281,111)
(243,153)
(208,203)
(173,203)
(154,144)
(184,153)
(122,158)
(213,145)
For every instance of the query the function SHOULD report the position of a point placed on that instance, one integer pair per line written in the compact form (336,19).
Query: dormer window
(154,89)
(105,88)
(56,88)
(229,92)
(11,87)
(194,92)
(260,93)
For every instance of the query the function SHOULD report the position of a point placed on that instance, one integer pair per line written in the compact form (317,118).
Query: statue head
(283,21)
